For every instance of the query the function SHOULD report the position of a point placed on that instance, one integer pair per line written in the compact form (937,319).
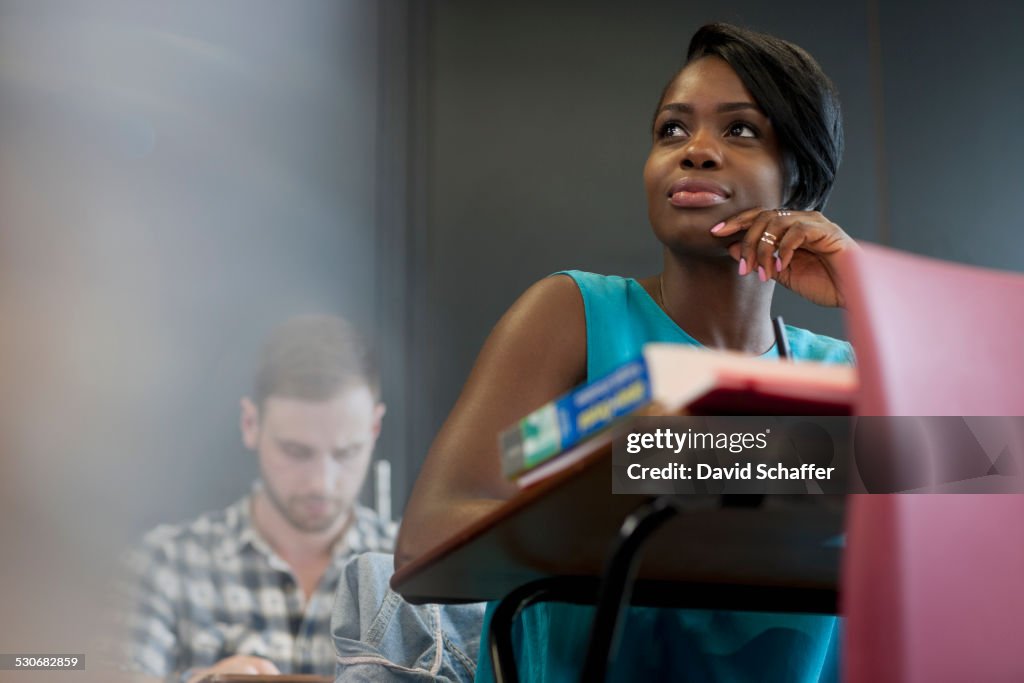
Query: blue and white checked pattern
(214,588)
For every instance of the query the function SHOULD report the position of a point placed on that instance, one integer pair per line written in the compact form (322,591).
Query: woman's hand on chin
(798,249)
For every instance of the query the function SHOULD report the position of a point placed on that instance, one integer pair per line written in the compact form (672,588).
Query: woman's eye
(671,129)
(742,130)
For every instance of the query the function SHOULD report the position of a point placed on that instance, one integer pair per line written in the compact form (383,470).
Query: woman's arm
(537,351)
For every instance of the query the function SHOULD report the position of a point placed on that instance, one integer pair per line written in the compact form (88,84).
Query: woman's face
(714,155)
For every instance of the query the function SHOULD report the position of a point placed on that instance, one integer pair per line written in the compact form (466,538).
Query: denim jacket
(380,638)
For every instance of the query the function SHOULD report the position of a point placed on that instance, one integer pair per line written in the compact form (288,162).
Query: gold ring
(769,238)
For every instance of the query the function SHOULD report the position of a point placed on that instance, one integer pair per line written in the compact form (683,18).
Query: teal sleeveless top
(622,317)
(670,644)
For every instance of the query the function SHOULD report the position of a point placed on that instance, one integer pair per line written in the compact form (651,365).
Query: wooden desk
(783,556)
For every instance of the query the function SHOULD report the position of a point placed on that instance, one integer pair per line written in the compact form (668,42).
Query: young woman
(746,140)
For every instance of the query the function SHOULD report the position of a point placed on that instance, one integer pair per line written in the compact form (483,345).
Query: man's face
(313,455)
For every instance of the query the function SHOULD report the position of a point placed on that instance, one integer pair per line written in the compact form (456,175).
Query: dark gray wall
(535,122)
(954,147)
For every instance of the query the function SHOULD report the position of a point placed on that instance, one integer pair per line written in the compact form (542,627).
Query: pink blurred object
(933,585)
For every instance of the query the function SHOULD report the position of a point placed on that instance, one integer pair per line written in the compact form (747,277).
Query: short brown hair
(313,357)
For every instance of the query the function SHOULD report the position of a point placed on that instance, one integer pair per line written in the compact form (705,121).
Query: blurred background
(177,177)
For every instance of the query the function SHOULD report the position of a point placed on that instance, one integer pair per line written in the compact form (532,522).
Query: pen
(781,342)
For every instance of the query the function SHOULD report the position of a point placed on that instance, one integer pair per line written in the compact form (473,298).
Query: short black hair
(795,94)
(312,358)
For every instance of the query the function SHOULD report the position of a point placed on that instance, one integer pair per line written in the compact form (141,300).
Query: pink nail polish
(718,227)
(778,264)
(761,274)
(743,266)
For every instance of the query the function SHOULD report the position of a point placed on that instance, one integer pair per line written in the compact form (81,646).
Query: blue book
(674,376)
(573,417)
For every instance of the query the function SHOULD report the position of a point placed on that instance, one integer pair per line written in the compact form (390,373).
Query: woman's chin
(695,233)
(698,244)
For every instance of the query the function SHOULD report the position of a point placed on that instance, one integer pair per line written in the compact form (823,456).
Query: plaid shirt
(214,588)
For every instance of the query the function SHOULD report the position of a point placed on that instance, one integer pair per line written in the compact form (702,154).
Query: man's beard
(295,511)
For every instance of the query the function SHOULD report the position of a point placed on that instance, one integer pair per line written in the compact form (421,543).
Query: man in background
(249,589)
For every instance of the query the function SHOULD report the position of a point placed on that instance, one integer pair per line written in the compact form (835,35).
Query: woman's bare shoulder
(536,352)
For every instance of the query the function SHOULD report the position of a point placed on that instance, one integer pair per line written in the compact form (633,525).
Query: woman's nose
(702,152)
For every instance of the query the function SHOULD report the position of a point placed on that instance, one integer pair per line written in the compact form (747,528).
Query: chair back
(932,585)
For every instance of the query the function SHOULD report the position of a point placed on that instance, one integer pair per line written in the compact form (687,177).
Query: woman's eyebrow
(721,109)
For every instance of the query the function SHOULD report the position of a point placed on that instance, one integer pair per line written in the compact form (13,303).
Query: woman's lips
(695,194)
(695,200)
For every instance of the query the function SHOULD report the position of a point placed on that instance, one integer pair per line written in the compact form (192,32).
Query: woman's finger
(776,228)
(790,242)
(757,251)
(734,224)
